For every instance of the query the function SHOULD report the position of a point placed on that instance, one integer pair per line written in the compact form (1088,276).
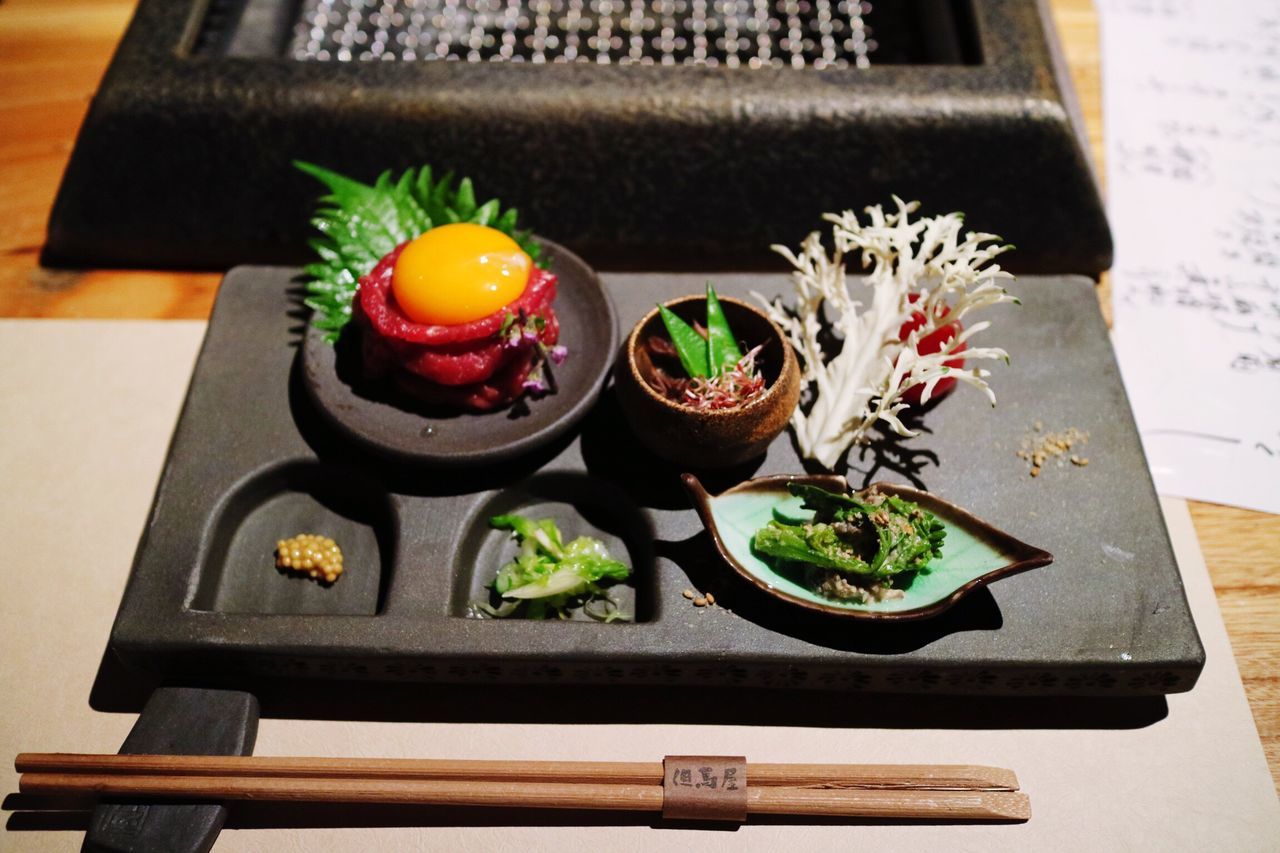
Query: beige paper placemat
(86,410)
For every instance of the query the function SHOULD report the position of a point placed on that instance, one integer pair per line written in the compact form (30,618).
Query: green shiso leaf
(689,345)
(464,201)
(722,348)
(360,224)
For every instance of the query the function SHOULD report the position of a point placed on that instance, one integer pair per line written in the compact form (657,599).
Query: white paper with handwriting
(1191,93)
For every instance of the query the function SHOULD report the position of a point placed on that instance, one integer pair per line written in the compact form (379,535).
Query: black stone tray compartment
(184,157)
(1108,617)
(586,505)
(301,497)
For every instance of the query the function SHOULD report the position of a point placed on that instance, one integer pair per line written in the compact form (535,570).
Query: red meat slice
(464,365)
(501,389)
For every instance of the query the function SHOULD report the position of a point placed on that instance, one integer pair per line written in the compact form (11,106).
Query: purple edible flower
(522,331)
(536,383)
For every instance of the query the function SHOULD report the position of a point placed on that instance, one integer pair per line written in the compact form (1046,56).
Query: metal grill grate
(734,33)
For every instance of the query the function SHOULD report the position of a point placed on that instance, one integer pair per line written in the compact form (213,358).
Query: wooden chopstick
(935,777)
(912,803)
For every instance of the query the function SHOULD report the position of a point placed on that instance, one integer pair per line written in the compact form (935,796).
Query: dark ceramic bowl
(709,439)
(386,419)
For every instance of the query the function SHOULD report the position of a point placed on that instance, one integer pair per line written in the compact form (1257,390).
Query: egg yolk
(458,273)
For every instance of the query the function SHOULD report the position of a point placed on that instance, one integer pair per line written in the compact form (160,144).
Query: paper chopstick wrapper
(704,787)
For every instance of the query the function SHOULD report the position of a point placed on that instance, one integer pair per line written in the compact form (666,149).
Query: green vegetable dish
(549,578)
(859,549)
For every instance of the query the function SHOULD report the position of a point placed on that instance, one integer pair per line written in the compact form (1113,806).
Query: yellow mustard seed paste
(310,554)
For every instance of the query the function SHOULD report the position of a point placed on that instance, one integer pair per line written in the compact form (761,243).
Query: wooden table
(52,55)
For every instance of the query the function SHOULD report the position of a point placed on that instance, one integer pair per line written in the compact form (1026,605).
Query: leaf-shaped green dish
(974,554)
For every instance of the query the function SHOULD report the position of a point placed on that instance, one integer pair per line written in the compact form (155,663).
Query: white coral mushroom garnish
(865,381)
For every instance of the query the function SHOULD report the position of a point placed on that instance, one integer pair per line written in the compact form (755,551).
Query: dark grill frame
(183,160)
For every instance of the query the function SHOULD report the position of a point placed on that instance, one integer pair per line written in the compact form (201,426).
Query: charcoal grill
(644,133)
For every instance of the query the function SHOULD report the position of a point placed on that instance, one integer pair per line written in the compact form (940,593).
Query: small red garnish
(931,343)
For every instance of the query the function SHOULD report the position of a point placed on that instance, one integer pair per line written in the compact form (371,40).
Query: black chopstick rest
(176,721)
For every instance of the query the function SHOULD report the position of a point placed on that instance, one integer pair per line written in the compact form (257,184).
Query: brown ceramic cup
(721,437)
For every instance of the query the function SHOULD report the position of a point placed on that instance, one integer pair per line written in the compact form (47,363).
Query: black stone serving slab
(184,157)
(251,461)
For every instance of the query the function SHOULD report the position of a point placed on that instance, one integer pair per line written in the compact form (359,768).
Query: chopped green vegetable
(815,544)
(722,349)
(865,541)
(549,578)
(361,224)
(690,346)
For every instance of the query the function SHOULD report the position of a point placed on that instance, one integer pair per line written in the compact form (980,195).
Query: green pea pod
(722,347)
(689,345)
